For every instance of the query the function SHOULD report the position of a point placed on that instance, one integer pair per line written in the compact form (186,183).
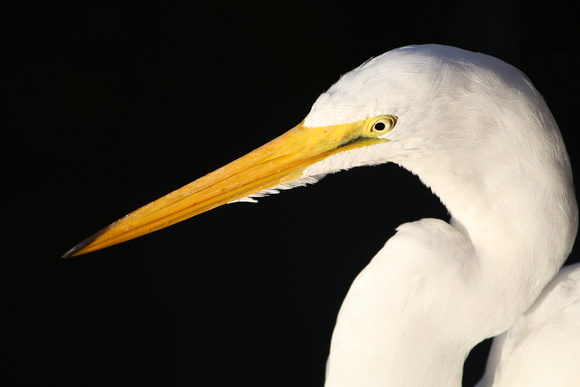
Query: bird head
(402,106)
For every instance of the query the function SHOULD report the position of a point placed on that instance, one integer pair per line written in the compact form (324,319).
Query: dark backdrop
(110,105)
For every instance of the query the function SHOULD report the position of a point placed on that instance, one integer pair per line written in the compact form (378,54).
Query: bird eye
(384,124)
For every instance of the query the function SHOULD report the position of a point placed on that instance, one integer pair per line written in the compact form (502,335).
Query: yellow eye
(384,124)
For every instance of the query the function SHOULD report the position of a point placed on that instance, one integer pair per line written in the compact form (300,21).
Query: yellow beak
(281,160)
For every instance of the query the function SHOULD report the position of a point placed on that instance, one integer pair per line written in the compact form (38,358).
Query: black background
(110,105)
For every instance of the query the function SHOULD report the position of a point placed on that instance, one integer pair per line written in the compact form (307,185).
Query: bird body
(543,347)
(397,323)
(475,131)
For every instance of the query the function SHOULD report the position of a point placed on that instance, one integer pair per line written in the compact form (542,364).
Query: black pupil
(380,126)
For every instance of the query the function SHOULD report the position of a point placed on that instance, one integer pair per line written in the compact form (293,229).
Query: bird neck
(437,289)
(521,221)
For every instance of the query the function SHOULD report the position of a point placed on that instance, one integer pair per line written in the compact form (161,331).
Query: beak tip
(75,250)
(81,248)
(69,253)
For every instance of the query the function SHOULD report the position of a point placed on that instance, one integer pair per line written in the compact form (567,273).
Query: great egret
(475,130)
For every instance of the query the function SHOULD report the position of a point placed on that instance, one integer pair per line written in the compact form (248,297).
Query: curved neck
(522,231)
(437,289)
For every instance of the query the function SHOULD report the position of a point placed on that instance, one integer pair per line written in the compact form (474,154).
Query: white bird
(475,131)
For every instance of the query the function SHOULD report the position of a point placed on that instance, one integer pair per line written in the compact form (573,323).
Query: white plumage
(475,131)
(543,347)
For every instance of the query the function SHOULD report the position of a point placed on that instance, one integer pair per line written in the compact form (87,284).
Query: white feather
(301,182)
